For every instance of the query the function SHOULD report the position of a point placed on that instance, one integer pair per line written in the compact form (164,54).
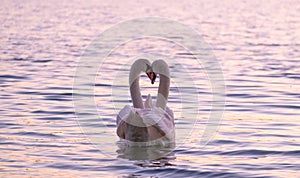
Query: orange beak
(151,75)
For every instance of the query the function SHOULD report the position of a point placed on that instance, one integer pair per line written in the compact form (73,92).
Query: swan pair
(146,123)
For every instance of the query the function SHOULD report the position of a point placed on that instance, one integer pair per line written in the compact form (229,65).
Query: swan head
(150,74)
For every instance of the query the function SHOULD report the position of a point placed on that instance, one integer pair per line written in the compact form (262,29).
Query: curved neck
(163,91)
(162,68)
(135,93)
(137,67)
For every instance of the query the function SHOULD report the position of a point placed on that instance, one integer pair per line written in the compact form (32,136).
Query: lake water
(256,44)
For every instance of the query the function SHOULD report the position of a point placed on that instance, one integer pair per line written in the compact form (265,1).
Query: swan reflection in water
(158,155)
(146,129)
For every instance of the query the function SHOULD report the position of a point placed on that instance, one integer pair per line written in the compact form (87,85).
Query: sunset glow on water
(255,43)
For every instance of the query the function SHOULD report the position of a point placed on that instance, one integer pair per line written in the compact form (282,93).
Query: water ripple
(257,48)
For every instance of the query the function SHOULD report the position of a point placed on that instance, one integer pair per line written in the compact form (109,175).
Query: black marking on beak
(150,74)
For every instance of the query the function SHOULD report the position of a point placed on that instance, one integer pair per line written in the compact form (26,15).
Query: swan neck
(162,69)
(137,67)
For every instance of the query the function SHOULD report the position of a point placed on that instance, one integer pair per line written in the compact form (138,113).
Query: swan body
(147,123)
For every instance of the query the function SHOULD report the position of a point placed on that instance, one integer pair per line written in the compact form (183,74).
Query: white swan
(146,124)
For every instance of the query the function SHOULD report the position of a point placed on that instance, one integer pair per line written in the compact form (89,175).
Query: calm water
(257,44)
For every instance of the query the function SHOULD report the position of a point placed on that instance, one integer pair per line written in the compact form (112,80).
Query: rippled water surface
(257,45)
